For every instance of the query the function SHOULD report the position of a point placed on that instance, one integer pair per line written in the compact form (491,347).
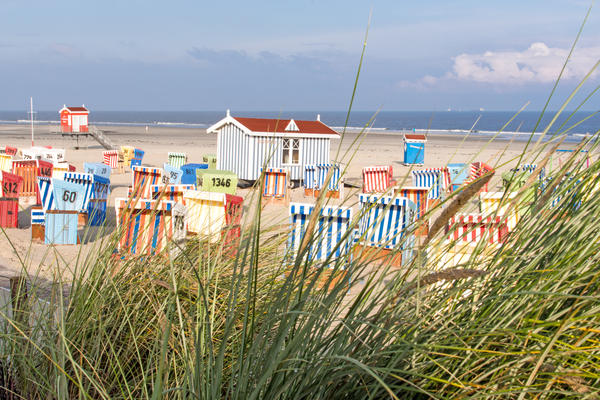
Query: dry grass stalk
(450,274)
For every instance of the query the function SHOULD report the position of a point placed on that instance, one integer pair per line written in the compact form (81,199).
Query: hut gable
(277,127)
(292,127)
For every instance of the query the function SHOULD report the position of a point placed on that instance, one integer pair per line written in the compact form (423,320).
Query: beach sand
(379,148)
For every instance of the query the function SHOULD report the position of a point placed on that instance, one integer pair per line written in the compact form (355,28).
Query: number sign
(219,181)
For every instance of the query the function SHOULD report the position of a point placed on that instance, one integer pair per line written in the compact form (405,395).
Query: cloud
(538,64)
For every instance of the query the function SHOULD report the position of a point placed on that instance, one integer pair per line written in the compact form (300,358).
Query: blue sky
(292,55)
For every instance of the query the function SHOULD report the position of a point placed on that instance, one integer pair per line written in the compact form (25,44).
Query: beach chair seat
(417,195)
(142,180)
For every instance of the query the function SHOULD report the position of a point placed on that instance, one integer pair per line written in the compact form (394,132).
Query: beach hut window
(291,151)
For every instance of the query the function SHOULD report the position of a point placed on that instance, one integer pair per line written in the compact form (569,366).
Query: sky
(295,54)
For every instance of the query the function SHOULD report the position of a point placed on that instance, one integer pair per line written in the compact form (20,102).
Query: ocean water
(480,122)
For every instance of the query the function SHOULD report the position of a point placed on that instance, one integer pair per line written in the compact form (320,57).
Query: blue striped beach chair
(332,237)
(385,223)
(45,188)
(432,179)
(87,181)
(98,203)
(38,220)
(172,175)
(309,179)
(335,186)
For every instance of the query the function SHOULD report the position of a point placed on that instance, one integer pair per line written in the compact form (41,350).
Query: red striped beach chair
(111,158)
(377,179)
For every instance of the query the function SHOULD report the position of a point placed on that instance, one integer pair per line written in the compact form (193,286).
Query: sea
(576,125)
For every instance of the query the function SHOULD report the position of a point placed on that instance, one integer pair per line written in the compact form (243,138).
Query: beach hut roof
(415,136)
(75,109)
(277,127)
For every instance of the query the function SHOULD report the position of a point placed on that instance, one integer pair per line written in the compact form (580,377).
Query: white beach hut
(245,144)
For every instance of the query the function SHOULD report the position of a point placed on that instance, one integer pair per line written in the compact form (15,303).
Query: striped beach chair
(434,179)
(276,181)
(59,169)
(85,180)
(478,170)
(111,158)
(177,160)
(386,223)
(171,192)
(309,179)
(332,237)
(377,179)
(213,216)
(474,228)
(417,195)
(26,169)
(142,180)
(99,202)
(147,227)
(6,162)
(171,175)
(335,187)
(46,190)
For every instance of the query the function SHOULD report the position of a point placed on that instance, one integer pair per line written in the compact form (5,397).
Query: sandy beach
(377,148)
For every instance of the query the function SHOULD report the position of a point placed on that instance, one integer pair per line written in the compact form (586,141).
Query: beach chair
(171,192)
(177,160)
(53,155)
(28,170)
(111,158)
(385,228)
(215,217)
(211,160)
(465,232)
(60,168)
(309,179)
(478,170)
(217,181)
(417,195)
(148,227)
(458,174)
(492,204)
(189,176)
(172,175)
(142,180)
(68,196)
(436,180)
(87,182)
(46,190)
(138,156)
(99,169)
(335,188)
(414,149)
(6,162)
(99,201)
(377,179)
(332,237)
(275,186)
